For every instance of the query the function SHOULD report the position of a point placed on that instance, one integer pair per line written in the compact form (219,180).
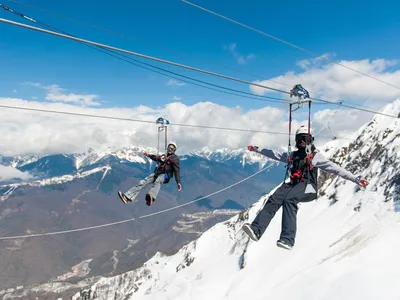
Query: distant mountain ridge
(60,168)
(70,191)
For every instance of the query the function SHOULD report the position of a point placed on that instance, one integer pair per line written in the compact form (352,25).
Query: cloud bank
(332,80)
(27,132)
(7,173)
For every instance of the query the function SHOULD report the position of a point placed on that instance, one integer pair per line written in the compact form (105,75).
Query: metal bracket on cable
(299,103)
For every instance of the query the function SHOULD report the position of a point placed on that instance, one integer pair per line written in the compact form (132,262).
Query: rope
(360,109)
(139,55)
(327,125)
(287,43)
(152,44)
(133,219)
(158,141)
(290,127)
(139,64)
(141,121)
(175,64)
(141,41)
(309,123)
(289,144)
(166,138)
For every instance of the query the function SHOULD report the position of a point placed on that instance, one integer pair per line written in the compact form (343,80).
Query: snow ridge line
(133,219)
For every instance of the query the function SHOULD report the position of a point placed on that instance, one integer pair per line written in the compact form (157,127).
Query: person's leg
(257,228)
(132,193)
(153,192)
(289,213)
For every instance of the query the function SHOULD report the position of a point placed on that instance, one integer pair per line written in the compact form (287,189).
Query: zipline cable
(128,59)
(139,55)
(47,11)
(132,61)
(142,121)
(133,219)
(176,64)
(135,120)
(287,43)
(327,125)
(152,44)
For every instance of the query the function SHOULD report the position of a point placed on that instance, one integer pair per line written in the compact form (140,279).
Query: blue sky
(353,31)
(61,72)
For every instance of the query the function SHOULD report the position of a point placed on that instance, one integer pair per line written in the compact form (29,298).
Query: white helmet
(173,144)
(303,129)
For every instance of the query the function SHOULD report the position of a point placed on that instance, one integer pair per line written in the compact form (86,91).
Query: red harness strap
(298,173)
(295,174)
(163,162)
(308,160)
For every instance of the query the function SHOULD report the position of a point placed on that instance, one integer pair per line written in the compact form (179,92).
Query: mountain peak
(344,230)
(392,108)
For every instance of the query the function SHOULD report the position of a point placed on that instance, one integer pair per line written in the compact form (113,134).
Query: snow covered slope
(346,246)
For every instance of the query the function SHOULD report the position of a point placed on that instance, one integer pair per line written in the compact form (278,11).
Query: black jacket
(169,165)
(302,170)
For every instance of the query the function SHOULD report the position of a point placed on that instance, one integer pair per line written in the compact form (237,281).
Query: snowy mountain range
(346,244)
(61,168)
(351,233)
(132,154)
(67,191)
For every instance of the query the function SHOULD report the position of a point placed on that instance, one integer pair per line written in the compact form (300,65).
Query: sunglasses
(302,138)
(172,148)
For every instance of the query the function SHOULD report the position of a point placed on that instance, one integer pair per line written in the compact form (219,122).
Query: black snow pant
(288,196)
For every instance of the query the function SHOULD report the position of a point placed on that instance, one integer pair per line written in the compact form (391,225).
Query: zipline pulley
(301,94)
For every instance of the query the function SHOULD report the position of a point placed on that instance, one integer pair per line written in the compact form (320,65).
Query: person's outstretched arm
(156,158)
(276,155)
(321,162)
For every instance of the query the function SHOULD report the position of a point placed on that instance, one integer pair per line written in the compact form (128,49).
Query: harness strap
(289,145)
(309,121)
(290,128)
(307,167)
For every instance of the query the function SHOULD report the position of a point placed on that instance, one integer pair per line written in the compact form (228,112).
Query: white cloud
(174,82)
(339,123)
(315,62)
(337,82)
(26,132)
(14,91)
(7,173)
(56,94)
(240,58)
